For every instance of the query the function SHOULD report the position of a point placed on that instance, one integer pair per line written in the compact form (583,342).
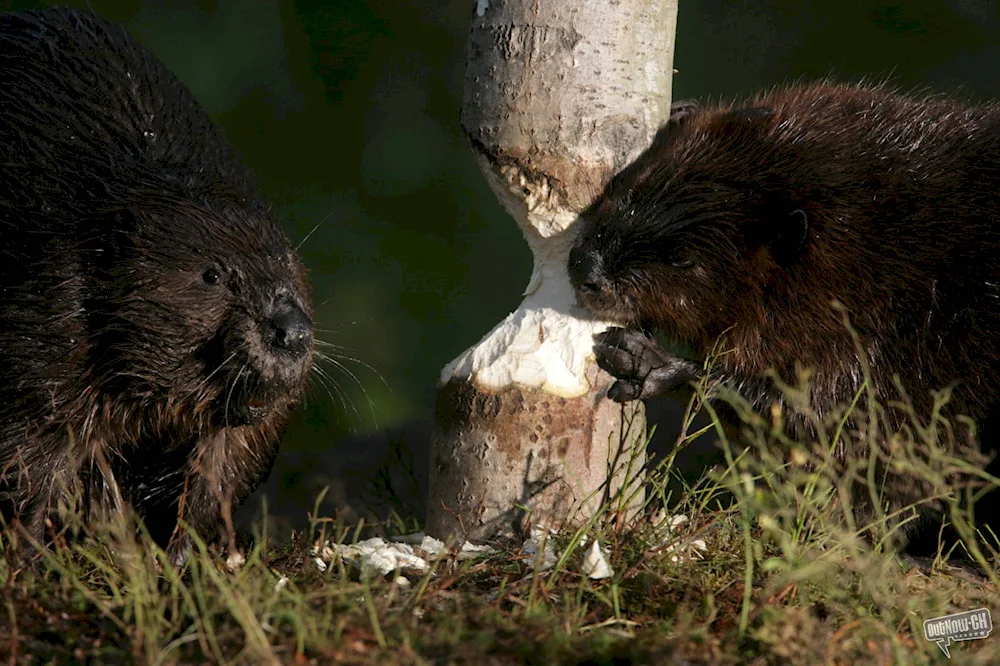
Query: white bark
(559,94)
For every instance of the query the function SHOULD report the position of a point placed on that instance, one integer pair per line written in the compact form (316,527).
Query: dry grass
(786,577)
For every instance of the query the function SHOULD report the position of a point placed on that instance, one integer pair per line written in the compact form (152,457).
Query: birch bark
(559,95)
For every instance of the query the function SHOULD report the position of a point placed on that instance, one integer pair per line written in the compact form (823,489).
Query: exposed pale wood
(559,94)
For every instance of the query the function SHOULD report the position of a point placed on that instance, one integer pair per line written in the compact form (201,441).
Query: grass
(787,575)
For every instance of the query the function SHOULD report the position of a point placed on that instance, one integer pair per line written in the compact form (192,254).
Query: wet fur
(125,378)
(748,220)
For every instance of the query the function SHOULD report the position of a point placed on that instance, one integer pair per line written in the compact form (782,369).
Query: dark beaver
(751,220)
(154,320)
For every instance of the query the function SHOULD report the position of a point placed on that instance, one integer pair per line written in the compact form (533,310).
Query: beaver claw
(642,368)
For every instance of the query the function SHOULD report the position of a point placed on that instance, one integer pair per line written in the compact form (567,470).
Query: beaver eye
(211,275)
(682,262)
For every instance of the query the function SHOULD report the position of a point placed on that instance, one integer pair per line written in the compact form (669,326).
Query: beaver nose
(292,328)
(585,272)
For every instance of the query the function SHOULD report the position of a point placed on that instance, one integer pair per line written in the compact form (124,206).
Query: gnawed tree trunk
(559,94)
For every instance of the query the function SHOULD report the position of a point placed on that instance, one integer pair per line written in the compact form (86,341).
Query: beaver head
(690,237)
(199,306)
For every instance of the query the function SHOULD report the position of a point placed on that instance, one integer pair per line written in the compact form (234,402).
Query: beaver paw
(642,368)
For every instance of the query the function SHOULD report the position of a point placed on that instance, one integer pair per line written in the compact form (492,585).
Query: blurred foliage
(348,112)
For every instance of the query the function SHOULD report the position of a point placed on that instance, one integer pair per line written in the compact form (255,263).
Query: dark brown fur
(750,220)
(154,319)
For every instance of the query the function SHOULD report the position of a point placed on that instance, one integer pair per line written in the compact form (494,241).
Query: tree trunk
(559,95)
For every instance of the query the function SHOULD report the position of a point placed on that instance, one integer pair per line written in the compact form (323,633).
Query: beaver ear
(683,110)
(790,237)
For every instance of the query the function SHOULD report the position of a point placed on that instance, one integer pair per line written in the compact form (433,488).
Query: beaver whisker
(352,359)
(342,395)
(343,368)
(221,365)
(336,347)
(232,382)
(313,230)
(322,379)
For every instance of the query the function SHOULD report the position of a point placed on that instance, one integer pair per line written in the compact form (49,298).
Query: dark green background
(348,111)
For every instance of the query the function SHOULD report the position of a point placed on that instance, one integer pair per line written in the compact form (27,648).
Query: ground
(764,567)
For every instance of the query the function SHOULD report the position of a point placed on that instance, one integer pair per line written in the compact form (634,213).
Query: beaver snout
(279,359)
(290,331)
(585,271)
(587,275)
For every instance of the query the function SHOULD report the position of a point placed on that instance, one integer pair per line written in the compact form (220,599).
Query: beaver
(750,222)
(155,322)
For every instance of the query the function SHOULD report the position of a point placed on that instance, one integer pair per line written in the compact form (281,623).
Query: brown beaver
(749,220)
(154,319)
